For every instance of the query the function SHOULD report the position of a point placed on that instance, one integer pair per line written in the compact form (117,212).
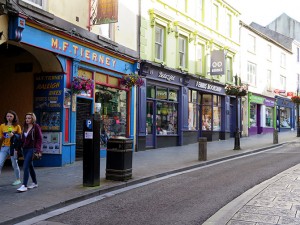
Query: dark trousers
(28,166)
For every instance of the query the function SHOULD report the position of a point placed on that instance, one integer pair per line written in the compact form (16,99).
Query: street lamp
(237,145)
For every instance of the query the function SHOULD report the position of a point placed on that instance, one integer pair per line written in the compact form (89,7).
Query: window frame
(269,80)
(229,73)
(251,73)
(162,44)
(200,61)
(184,53)
(252,44)
(41,6)
(215,17)
(283,60)
(228,28)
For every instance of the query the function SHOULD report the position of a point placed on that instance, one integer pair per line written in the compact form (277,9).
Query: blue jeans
(28,166)
(4,152)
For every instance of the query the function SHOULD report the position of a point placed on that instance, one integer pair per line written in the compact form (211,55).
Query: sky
(265,11)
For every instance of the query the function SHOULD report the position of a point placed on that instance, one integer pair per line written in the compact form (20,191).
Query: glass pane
(217,119)
(150,92)
(194,96)
(113,113)
(207,99)
(206,117)
(252,115)
(192,116)
(166,118)
(149,118)
(162,93)
(217,100)
(285,117)
(269,117)
(173,95)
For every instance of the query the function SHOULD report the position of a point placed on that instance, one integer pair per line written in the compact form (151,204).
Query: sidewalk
(60,186)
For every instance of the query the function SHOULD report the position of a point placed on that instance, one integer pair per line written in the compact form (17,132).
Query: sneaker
(17,182)
(33,185)
(22,189)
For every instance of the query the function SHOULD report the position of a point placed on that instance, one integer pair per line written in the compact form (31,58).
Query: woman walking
(8,129)
(32,141)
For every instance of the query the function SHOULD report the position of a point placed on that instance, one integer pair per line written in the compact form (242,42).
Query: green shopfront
(261,114)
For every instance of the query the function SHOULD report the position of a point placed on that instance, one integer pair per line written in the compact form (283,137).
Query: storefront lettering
(82,52)
(166,76)
(208,86)
(48,86)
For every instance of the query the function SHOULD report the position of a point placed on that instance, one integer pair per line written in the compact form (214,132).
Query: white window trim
(42,6)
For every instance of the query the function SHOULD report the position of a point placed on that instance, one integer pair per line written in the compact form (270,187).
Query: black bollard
(202,155)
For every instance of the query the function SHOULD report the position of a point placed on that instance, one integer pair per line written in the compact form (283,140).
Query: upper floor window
(282,82)
(228,32)
(229,77)
(251,73)
(269,52)
(107,30)
(199,59)
(37,3)
(269,80)
(215,17)
(182,51)
(199,10)
(251,44)
(283,60)
(298,55)
(159,43)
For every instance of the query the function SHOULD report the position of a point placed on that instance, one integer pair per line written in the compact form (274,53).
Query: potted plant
(296,99)
(130,80)
(80,84)
(236,90)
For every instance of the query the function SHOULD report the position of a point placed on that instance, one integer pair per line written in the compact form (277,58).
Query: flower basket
(236,90)
(80,85)
(130,80)
(296,99)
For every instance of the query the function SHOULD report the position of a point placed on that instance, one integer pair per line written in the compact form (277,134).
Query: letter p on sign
(89,124)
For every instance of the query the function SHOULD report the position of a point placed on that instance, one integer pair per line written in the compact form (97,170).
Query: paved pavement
(61,186)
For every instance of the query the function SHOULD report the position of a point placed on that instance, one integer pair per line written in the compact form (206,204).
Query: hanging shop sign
(217,62)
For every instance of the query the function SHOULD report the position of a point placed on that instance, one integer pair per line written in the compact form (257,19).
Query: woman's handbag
(36,156)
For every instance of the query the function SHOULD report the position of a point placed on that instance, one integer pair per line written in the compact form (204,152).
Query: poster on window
(51,143)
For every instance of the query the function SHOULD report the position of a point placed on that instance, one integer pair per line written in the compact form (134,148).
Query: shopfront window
(269,117)
(253,115)
(163,102)
(216,113)
(193,110)
(166,118)
(211,112)
(113,112)
(285,117)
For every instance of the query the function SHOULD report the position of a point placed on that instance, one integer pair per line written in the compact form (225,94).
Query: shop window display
(252,115)
(166,118)
(285,115)
(193,110)
(113,112)
(211,113)
(269,117)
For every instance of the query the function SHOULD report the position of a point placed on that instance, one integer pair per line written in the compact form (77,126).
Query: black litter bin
(119,159)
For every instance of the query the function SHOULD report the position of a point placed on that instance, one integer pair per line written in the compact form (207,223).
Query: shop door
(83,112)
(150,125)
(259,128)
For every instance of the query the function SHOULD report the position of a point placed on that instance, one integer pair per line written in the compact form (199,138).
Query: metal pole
(237,145)
(298,126)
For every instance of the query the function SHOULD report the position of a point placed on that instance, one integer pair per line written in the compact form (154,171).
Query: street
(189,198)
